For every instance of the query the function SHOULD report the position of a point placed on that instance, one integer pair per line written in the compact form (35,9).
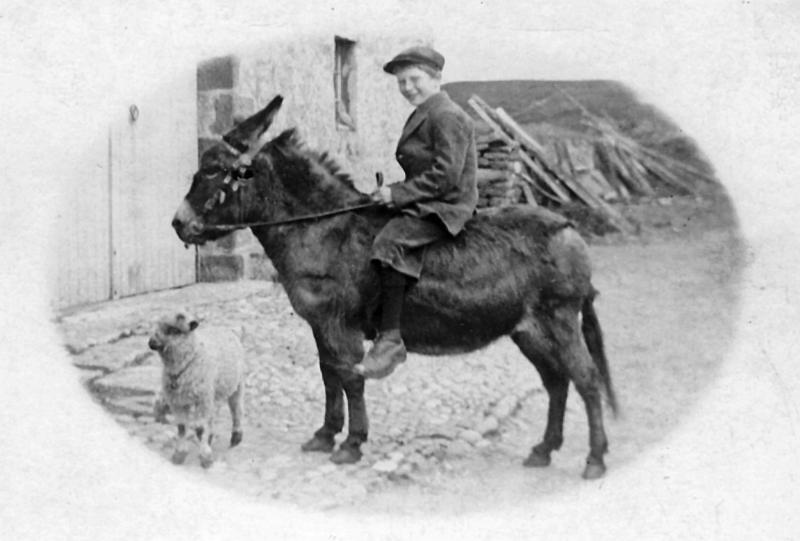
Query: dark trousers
(401,243)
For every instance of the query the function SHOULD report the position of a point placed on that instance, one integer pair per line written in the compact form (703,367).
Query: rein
(231,227)
(239,172)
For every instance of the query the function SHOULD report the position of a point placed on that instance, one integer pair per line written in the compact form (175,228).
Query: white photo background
(727,72)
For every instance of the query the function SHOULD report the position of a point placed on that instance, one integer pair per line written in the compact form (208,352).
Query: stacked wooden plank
(634,168)
(577,157)
(498,159)
(556,182)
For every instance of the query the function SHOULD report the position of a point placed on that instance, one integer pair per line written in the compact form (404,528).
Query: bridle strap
(294,219)
(244,160)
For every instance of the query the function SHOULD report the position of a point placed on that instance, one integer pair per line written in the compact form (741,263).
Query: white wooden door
(82,236)
(114,237)
(153,155)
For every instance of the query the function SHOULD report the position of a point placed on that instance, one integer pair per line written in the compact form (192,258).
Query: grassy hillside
(544,111)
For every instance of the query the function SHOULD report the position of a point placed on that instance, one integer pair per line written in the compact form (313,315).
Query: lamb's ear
(185,322)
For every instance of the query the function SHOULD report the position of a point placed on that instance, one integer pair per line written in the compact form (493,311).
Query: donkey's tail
(594,341)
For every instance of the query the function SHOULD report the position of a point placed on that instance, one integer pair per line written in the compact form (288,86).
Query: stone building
(337,96)
(113,239)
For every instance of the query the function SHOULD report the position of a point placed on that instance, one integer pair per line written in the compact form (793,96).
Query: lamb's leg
(160,409)
(199,417)
(236,404)
(204,434)
(323,439)
(181,445)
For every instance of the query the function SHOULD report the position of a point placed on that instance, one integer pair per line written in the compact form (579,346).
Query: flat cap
(415,55)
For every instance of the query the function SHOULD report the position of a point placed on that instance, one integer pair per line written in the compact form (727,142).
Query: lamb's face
(172,331)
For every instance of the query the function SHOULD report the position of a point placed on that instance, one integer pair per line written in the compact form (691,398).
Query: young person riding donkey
(522,272)
(439,194)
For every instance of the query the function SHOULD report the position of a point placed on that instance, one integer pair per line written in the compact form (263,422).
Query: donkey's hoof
(594,471)
(537,460)
(206,461)
(236,437)
(346,455)
(318,445)
(179,457)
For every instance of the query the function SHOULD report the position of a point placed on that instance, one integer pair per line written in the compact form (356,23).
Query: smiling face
(416,84)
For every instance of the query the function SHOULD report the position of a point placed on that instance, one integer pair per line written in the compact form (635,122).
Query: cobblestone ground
(448,432)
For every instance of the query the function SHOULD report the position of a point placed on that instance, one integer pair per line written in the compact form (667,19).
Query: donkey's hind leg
(531,340)
(323,439)
(574,356)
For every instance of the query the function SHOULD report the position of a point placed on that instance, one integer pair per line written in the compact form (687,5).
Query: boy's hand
(382,195)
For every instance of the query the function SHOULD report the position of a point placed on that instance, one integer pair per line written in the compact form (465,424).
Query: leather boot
(386,353)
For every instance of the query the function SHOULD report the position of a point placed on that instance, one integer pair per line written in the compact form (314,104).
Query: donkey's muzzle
(186,223)
(187,232)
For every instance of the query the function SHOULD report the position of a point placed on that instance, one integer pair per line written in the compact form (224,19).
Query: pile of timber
(636,170)
(498,160)
(538,172)
(610,167)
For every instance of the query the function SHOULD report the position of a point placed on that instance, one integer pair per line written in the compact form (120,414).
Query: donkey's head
(215,196)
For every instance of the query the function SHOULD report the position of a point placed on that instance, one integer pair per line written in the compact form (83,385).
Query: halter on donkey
(518,272)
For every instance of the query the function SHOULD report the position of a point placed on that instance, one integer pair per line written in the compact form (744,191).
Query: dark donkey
(519,271)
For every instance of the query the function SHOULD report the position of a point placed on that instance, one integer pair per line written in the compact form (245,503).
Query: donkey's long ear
(244,136)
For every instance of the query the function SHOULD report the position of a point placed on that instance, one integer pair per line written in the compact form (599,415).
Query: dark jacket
(437,152)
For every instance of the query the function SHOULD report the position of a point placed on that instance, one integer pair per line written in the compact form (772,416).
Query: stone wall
(234,87)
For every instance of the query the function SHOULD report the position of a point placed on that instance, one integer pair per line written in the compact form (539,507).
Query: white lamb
(201,368)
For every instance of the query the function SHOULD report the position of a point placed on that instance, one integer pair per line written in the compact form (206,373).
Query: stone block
(113,356)
(137,380)
(488,425)
(216,73)
(260,268)
(385,466)
(133,405)
(226,244)
(220,268)
(203,144)
(459,448)
(206,114)
(222,119)
(243,107)
(470,436)
(505,407)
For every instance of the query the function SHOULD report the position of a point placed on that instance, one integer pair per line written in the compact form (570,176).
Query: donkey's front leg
(347,348)
(358,425)
(323,439)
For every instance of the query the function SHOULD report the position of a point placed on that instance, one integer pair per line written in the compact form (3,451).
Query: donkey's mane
(291,145)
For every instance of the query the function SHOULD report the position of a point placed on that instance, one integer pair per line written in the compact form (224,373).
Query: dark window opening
(344,83)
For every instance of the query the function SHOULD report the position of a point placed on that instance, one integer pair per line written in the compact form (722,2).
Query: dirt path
(447,434)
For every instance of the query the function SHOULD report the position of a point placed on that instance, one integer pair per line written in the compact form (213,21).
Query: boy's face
(416,85)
